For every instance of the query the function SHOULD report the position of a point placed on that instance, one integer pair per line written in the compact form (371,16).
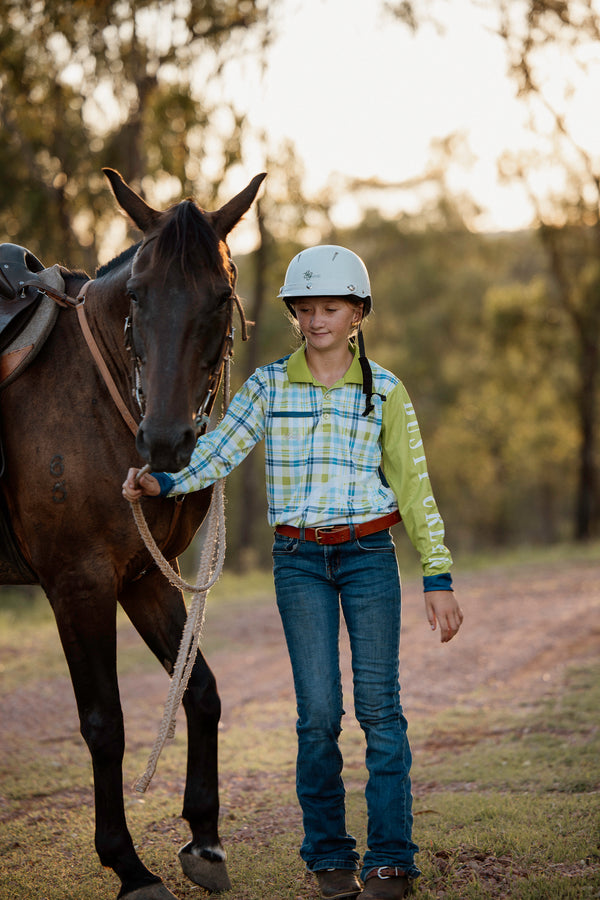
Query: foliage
(128,85)
(551,45)
(540,37)
(471,343)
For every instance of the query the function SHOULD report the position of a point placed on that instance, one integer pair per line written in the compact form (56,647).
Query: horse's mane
(187,230)
(114,263)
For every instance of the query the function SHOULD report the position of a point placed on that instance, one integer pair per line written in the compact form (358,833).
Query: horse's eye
(133,297)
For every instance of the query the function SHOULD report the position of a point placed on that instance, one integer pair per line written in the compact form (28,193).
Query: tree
(510,429)
(120,83)
(537,34)
(550,46)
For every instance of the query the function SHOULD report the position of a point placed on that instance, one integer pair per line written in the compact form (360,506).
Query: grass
(506,804)
(515,811)
(506,797)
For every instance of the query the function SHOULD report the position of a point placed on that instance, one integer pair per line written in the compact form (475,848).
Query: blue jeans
(312,582)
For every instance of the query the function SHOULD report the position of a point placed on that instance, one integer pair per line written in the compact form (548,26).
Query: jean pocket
(284,546)
(379,542)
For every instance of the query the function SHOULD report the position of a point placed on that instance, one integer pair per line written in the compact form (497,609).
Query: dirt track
(520,632)
(517,638)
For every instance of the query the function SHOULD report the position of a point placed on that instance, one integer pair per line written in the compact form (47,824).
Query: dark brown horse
(67,450)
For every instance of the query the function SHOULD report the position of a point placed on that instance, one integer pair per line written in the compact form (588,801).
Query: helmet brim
(351,298)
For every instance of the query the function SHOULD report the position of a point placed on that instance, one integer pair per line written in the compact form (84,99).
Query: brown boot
(338,884)
(386,883)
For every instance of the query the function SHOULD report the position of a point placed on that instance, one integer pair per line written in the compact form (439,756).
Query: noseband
(202,416)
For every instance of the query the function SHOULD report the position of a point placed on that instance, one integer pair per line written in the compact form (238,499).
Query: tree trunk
(252,483)
(587,512)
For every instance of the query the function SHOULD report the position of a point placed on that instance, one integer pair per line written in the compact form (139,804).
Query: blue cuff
(165,481)
(441,582)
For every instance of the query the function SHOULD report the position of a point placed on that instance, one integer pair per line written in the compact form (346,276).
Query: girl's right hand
(147,486)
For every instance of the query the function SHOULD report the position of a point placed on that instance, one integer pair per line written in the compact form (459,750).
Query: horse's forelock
(185,232)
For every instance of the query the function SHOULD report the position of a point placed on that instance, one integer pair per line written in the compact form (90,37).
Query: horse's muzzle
(166,450)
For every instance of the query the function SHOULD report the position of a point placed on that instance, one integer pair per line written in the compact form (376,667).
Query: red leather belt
(339,534)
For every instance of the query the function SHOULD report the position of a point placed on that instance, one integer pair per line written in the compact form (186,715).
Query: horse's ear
(142,214)
(228,216)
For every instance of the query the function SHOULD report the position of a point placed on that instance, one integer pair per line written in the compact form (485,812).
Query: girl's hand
(147,486)
(442,607)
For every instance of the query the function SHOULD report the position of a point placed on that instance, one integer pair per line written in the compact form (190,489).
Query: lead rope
(212,556)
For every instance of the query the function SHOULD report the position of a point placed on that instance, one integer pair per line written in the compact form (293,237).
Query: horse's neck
(106,308)
(74,281)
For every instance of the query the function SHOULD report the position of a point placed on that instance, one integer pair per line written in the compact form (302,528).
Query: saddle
(27,316)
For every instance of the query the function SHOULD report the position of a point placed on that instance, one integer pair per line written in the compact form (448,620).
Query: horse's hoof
(211,875)
(156,891)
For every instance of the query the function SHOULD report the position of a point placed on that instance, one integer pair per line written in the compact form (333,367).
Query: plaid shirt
(324,460)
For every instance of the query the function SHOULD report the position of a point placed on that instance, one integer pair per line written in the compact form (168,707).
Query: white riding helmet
(327,271)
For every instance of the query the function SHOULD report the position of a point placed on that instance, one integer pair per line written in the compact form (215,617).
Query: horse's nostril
(140,443)
(186,446)
(168,451)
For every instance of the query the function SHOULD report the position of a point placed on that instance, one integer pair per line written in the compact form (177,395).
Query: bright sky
(358,94)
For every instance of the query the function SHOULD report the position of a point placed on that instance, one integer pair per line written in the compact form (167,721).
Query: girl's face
(327,322)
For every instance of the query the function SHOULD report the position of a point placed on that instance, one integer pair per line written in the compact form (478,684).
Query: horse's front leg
(158,612)
(87,626)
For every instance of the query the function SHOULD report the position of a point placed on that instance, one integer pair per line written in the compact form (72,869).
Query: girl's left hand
(442,607)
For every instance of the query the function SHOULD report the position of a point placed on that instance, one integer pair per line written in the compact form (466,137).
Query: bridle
(202,417)
(203,413)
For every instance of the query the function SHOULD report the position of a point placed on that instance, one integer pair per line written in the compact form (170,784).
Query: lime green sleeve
(405,469)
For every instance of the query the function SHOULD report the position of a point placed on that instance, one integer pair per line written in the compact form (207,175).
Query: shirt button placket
(326,416)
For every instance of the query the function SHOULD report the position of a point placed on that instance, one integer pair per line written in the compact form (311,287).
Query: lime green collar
(298,371)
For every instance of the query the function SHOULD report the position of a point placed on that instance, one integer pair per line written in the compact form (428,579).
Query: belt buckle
(328,529)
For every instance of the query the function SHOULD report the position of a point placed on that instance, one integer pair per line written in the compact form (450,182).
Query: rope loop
(212,557)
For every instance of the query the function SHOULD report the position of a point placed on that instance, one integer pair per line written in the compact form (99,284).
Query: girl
(344,462)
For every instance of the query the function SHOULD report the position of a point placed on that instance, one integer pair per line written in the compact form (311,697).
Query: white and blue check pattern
(324,460)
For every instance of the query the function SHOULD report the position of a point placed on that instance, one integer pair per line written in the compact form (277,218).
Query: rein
(78,304)
(99,360)
(209,571)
